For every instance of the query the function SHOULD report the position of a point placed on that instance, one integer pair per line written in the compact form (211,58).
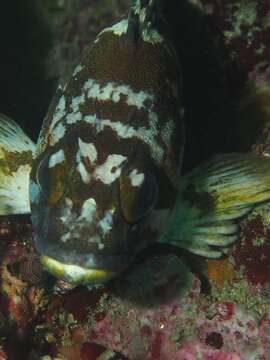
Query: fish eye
(51,179)
(137,200)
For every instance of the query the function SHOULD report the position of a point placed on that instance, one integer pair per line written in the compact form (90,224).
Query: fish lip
(75,274)
(115,262)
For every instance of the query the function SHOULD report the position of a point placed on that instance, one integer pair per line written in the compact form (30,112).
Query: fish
(104,181)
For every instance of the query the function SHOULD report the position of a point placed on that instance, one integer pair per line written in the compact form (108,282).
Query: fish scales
(123,102)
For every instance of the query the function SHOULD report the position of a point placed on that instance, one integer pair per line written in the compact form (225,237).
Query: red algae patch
(79,300)
(251,253)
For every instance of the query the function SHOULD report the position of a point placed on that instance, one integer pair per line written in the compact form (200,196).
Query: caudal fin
(212,197)
(16,155)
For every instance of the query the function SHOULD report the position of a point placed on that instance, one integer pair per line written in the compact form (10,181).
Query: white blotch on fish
(57,158)
(136,178)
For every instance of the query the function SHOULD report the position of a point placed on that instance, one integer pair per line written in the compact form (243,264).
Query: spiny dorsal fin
(16,155)
(133,29)
(142,16)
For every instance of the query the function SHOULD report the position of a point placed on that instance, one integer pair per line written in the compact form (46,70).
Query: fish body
(109,148)
(103,181)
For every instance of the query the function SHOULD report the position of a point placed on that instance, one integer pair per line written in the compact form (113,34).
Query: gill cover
(52,175)
(138,194)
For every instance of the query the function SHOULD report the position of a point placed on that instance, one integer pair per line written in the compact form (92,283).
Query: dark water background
(212,82)
(25,39)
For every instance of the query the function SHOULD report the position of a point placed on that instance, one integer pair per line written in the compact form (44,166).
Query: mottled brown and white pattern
(109,148)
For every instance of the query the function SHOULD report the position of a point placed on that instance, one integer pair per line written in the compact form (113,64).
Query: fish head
(89,221)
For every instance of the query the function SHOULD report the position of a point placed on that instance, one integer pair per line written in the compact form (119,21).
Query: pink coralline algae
(120,323)
(192,350)
(226,310)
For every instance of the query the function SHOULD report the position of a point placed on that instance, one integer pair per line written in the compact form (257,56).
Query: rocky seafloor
(169,305)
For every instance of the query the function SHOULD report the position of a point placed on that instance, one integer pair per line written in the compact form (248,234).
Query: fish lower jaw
(75,274)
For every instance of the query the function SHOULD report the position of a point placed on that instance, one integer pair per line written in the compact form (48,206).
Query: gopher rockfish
(103,181)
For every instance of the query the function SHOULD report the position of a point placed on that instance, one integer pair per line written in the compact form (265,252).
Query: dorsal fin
(133,29)
(142,15)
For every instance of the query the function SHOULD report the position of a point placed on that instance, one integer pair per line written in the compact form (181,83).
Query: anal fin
(212,197)
(16,155)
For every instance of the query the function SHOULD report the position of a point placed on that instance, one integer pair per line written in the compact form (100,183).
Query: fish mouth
(75,274)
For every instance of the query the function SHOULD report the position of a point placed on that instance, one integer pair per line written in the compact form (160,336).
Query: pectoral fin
(16,155)
(212,197)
